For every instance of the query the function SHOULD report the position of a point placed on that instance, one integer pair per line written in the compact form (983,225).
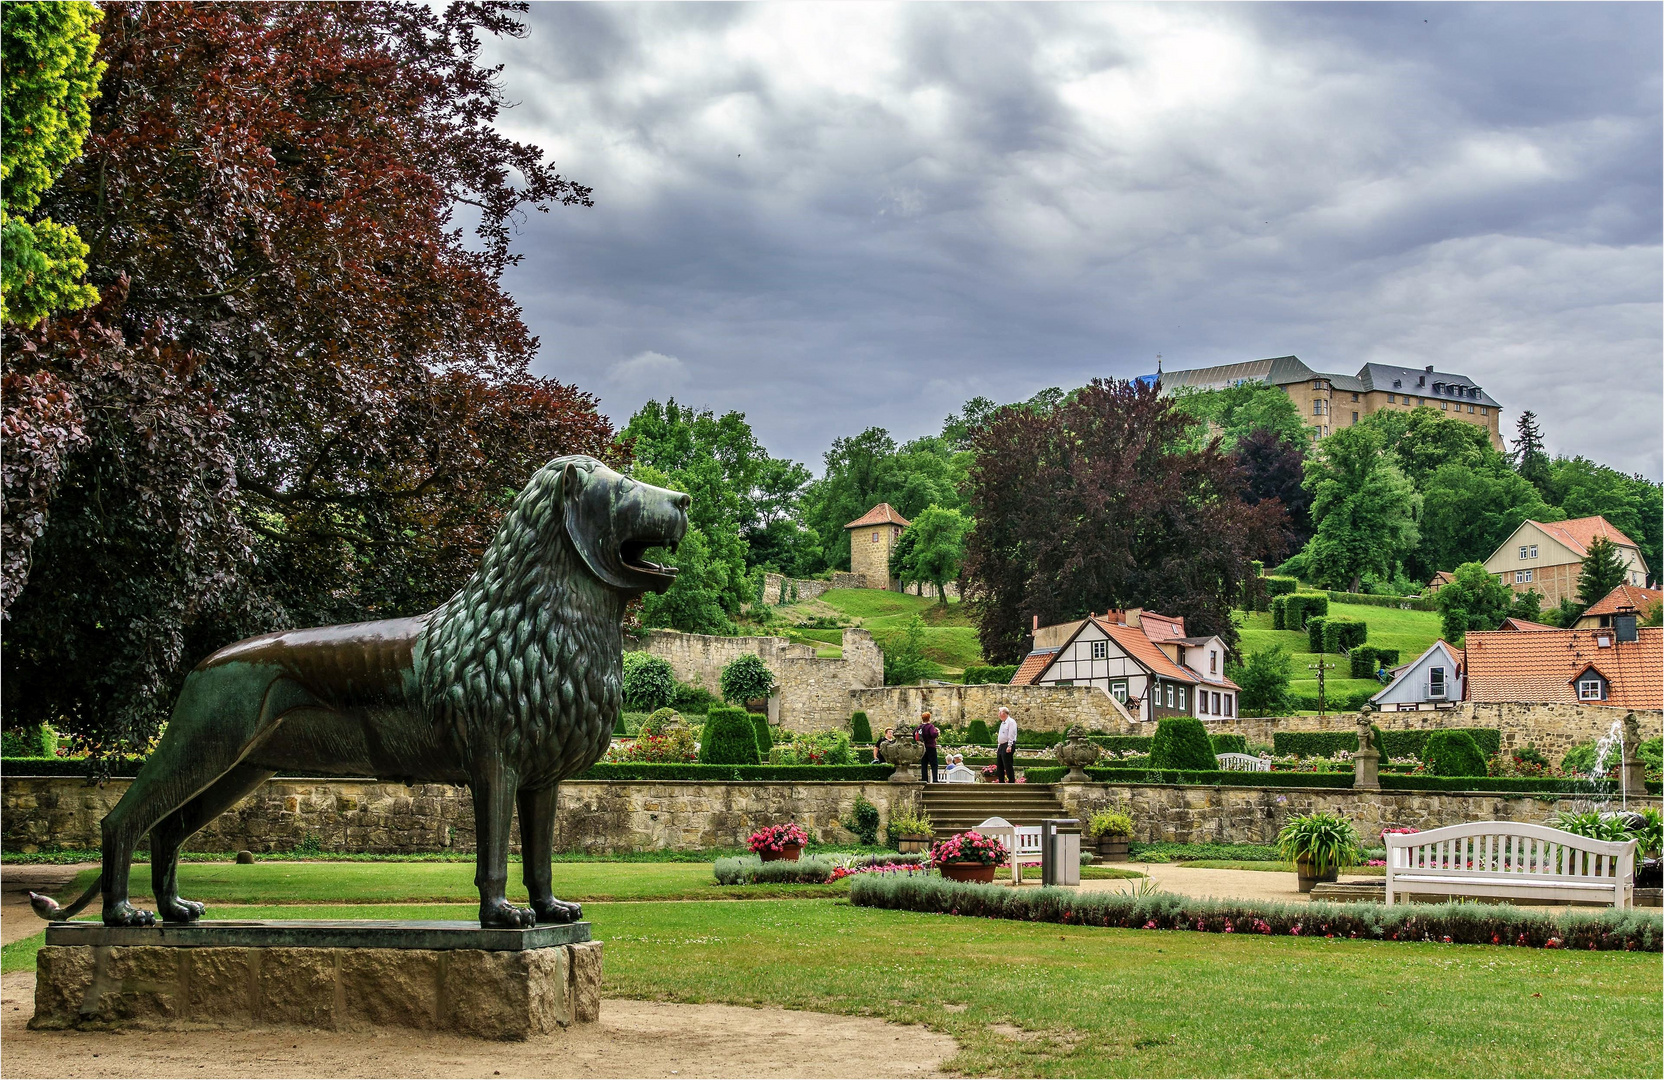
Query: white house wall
(1075,664)
(1411,687)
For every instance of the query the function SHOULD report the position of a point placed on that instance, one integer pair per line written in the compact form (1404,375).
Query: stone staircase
(953,808)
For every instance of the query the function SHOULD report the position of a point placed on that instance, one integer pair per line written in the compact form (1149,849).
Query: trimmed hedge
(988,673)
(751,870)
(1455,923)
(64,766)
(1342,780)
(1341,634)
(1338,701)
(719,773)
(1523,785)
(1280,586)
(1453,753)
(1411,603)
(1366,659)
(860,728)
(1398,743)
(1218,777)
(1279,613)
(1229,744)
(765,741)
(728,738)
(1299,607)
(1181,742)
(1314,633)
(977,733)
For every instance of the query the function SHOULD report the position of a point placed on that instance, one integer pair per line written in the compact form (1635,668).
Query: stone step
(957,807)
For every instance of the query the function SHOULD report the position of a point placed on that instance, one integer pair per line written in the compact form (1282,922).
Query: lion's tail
(47,908)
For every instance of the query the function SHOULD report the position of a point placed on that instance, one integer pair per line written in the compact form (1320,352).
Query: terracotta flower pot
(913,842)
(968,871)
(1112,848)
(788,854)
(1308,876)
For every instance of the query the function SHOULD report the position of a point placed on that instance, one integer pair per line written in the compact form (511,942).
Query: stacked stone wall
(1552,727)
(600,816)
(1036,708)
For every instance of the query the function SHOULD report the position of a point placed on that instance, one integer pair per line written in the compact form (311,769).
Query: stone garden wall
(1227,815)
(1036,708)
(1552,727)
(800,590)
(601,816)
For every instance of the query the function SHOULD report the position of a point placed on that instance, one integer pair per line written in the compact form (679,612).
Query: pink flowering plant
(778,837)
(970,847)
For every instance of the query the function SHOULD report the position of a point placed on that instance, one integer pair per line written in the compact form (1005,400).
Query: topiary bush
(1181,742)
(658,722)
(977,734)
(1453,753)
(728,738)
(1314,634)
(863,821)
(649,682)
(860,728)
(765,742)
(1280,586)
(1340,634)
(1299,607)
(988,673)
(1228,744)
(1279,612)
(1361,661)
(746,678)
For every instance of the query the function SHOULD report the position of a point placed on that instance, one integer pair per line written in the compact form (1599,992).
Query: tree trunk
(1357,583)
(941,594)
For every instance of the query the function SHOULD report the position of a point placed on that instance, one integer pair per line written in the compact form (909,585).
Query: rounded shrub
(977,733)
(728,738)
(860,728)
(659,722)
(1453,753)
(1379,741)
(649,682)
(1181,742)
(746,678)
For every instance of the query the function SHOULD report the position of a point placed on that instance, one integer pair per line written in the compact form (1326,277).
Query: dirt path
(17,921)
(634,1038)
(1222,884)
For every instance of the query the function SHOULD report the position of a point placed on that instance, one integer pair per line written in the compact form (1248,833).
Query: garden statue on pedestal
(903,752)
(510,686)
(1366,760)
(1077,752)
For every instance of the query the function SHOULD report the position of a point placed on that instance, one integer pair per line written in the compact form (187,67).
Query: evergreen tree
(1530,461)
(1603,570)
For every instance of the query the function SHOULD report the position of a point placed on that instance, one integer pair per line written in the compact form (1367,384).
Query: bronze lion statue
(510,686)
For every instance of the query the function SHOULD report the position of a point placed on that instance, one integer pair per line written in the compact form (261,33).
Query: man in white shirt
(1005,756)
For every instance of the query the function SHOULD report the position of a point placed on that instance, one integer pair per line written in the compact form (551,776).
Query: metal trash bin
(1060,851)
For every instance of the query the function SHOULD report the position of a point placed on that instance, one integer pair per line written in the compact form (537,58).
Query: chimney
(1133,614)
(1429,369)
(1623,624)
(1037,624)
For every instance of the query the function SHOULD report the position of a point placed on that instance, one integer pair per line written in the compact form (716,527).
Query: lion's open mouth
(633,554)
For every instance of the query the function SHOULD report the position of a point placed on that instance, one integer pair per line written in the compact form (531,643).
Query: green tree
(649,682)
(1473,600)
(867,469)
(48,78)
(1235,412)
(1528,605)
(1363,508)
(1429,439)
(746,678)
(932,549)
(1468,510)
(904,660)
(694,604)
(1603,570)
(1634,505)
(1530,459)
(1264,679)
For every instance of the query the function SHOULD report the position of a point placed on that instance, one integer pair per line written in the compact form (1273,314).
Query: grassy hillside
(1410,632)
(950,639)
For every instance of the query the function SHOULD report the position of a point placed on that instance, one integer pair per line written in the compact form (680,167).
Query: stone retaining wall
(814,692)
(1553,727)
(1227,815)
(1037,708)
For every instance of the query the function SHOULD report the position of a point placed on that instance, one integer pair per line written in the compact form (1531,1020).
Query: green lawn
(1046,1000)
(1410,632)
(950,638)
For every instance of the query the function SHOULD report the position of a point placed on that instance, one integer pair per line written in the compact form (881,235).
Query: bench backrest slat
(1507,847)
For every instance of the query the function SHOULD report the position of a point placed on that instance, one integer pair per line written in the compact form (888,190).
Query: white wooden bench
(1513,860)
(1243,763)
(1022,841)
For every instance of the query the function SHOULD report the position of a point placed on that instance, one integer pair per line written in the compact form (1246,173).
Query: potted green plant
(1320,846)
(911,827)
(968,856)
(1112,829)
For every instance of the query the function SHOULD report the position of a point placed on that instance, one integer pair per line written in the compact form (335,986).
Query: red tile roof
(1578,533)
(1031,667)
(1137,644)
(1630,596)
(882,514)
(1541,666)
(1161,627)
(1512,623)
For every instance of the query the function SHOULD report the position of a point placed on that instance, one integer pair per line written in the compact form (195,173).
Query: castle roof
(882,514)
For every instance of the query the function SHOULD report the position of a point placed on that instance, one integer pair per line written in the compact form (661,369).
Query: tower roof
(882,514)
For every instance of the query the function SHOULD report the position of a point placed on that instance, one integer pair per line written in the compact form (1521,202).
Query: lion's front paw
(551,910)
(502,915)
(181,911)
(124,914)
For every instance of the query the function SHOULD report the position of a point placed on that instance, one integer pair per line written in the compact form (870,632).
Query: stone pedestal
(1366,762)
(342,976)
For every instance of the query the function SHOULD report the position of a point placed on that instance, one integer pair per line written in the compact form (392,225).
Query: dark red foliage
(1273,469)
(1085,508)
(330,403)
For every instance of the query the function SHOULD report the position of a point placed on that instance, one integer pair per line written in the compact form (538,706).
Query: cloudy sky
(830,216)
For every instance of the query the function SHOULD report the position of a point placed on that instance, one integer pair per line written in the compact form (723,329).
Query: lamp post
(1322,699)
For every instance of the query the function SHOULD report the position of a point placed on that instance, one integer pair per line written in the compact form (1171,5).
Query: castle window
(1354,416)
(875,536)
(1354,397)
(1100,649)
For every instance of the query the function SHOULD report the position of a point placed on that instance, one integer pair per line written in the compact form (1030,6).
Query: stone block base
(484,993)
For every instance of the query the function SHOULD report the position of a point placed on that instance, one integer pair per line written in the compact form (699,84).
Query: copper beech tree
(305,397)
(1088,506)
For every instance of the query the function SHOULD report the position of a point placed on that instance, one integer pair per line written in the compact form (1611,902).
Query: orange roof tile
(1512,623)
(1137,644)
(1541,666)
(1031,667)
(1578,533)
(1630,596)
(1164,628)
(882,514)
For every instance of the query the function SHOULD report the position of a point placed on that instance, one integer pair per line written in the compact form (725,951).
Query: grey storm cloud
(830,216)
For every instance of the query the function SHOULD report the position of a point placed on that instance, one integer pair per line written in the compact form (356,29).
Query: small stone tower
(872,537)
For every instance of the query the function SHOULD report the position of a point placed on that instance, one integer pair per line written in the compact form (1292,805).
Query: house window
(1444,405)
(1118,690)
(1317,407)
(1392,399)
(1354,397)
(1228,700)
(1169,695)
(1523,551)
(1202,703)
(1484,410)
(1354,416)
(1533,551)
(1100,649)
(1213,661)
(1470,408)
(1182,705)
(1216,701)
(1589,690)
(1435,682)
(1421,401)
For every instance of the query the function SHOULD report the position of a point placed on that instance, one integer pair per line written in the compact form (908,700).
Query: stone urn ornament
(1077,752)
(904,753)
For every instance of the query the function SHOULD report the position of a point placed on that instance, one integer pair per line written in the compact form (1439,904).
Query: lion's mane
(525,658)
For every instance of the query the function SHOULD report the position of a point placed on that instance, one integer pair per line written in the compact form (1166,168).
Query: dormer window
(1398,384)
(1591,688)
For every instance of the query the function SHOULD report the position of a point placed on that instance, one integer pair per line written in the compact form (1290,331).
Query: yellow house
(1547,557)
